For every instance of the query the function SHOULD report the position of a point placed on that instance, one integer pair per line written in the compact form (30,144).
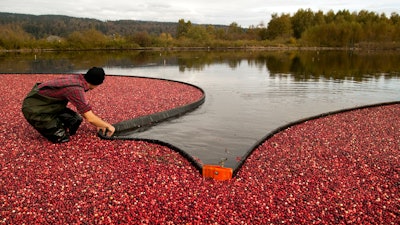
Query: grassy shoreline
(242,48)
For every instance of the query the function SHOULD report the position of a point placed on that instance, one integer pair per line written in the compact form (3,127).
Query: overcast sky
(224,12)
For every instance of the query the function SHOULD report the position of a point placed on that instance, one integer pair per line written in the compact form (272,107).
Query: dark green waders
(50,116)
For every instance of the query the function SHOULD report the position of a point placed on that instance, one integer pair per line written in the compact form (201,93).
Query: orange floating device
(217,172)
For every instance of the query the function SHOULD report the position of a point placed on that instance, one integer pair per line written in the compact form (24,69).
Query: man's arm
(99,123)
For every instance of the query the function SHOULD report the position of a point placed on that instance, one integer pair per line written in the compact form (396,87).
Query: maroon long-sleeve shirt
(71,88)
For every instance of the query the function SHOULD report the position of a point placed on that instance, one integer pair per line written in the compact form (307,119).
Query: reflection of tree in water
(303,65)
(336,65)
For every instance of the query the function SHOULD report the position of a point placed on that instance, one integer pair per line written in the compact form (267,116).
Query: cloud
(243,12)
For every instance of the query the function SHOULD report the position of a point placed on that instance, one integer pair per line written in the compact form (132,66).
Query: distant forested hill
(305,28)
(46,25)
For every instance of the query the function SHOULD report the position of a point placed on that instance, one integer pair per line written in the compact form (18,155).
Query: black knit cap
(95,75)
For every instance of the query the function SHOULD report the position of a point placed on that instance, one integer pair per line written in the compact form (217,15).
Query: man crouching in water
(45,107)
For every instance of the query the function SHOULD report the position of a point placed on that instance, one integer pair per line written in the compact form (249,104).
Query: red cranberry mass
(339,169)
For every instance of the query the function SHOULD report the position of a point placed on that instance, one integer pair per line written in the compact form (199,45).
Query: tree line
(305,28)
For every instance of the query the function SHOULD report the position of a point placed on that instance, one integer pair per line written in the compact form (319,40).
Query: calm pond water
(248,94)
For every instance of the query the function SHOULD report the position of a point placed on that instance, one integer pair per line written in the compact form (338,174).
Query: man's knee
(71,120)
